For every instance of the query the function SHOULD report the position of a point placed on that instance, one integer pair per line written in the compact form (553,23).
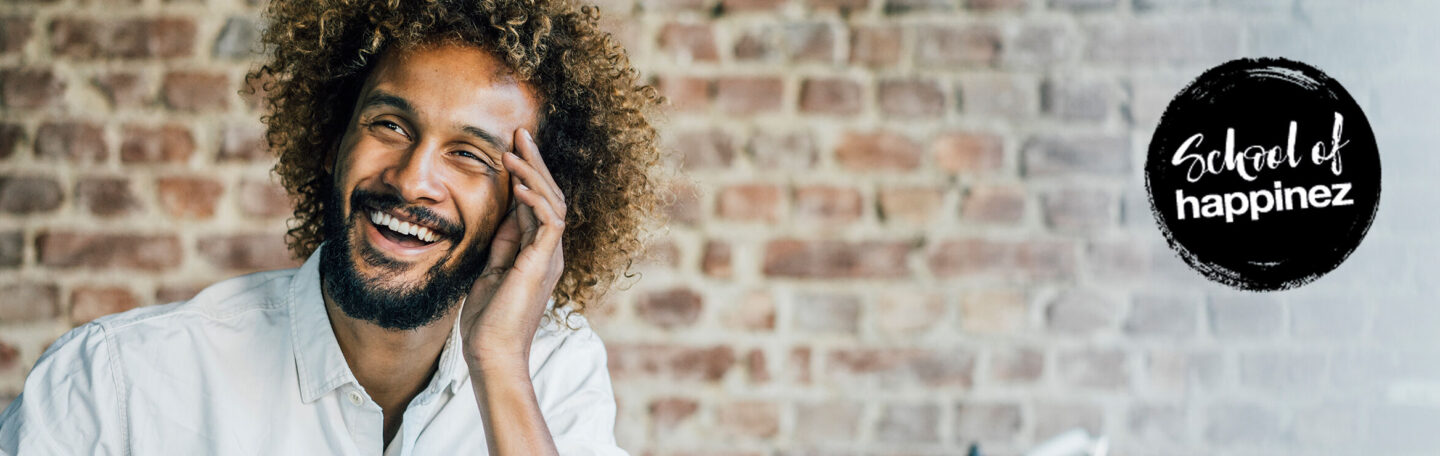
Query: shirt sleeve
(576,398)
(70,403)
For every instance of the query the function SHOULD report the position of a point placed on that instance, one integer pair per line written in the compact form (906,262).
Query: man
(449,253)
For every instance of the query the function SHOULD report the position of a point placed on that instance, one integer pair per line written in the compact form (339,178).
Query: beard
(380,300)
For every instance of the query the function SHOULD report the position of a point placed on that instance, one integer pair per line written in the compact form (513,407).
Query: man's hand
(506,303)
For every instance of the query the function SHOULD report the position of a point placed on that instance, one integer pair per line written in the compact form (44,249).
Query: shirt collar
(320,364)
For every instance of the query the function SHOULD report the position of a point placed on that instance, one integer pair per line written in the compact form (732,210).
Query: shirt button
(355,398)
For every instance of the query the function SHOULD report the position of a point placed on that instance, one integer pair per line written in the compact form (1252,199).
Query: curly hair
(594,111)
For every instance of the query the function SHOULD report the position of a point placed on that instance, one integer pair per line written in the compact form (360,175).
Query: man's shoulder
(260,291)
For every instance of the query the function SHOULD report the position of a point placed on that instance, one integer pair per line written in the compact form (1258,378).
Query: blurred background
(900,226)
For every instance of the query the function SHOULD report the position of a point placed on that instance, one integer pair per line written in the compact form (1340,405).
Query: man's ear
(332,153)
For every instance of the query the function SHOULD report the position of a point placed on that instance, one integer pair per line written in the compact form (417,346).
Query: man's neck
(393,366)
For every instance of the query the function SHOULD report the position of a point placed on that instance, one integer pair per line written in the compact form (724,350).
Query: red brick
(246,252)
(996,96)
(755,366)
(908,424)
(10,135)
(685,94)
(78,142)
(969,153)
(125,90)
(831,97)
(898,368)
(1093,369)
(9,360)
(660,253)
(749,94)
(782,150)
(29,302)
(755,312)
(875,46)
(756,44)
(30,89)
(1079,100)
(670,361)
(987,421)
(749,202)
(15,31)
(89,303)
(907,313)
(751,5)
(710,148)
(188,197)
(759,419)
(107,196)
(809,42)
(910,204)
(12,248)
(1075,210)
(29,194)
(797,365)
(683,204)
(827,422)
(994,5)
(263,198)
(1169,43)
(1016,366)
(827,313)
(897,7)
(836,259)
(239,39)
(956,46)
(716,262)
(1080,311)
(1039,44)
(243,143)
(1163,315)
(1085,155)
(163,144)
(993,311)
(65,249)
(911,98)
(169,293)
(122,38)
(877,151)
(670,412)
(997,204)
(672,308)
(192,91)
(1055,418)
(827,204)
(674,5)
(688,42)
(1032,260)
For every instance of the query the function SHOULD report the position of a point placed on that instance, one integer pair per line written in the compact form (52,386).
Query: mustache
(391,202)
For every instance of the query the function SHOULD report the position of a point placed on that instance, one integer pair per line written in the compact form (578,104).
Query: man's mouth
(407,234)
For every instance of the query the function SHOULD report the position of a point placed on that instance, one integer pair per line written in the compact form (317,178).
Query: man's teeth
(419,232)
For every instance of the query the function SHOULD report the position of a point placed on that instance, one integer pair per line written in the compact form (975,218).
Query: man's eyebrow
(487,137)
(382,98)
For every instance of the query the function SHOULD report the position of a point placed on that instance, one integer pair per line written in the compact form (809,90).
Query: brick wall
(903,226)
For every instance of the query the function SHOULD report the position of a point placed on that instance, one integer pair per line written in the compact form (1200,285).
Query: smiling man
(467,176)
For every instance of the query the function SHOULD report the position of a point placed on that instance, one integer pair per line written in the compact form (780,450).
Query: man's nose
(415,174)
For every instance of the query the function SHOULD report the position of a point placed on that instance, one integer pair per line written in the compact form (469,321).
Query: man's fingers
(530,181)
(506,243)
(531,153)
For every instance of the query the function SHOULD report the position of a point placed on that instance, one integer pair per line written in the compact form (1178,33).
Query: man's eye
(388,125)
(474,156)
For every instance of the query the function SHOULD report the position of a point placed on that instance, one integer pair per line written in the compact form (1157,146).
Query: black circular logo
(1263,174)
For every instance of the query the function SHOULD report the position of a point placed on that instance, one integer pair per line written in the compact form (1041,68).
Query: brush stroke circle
(1259,99)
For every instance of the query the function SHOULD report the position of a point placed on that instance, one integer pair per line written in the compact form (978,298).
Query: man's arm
(71,403)
(505,305)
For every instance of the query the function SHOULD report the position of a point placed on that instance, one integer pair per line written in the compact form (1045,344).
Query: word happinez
(1248,164)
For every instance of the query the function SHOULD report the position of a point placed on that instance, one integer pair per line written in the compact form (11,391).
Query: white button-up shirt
(251,366)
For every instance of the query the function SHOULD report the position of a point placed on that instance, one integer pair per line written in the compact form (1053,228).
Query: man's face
(419,187)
